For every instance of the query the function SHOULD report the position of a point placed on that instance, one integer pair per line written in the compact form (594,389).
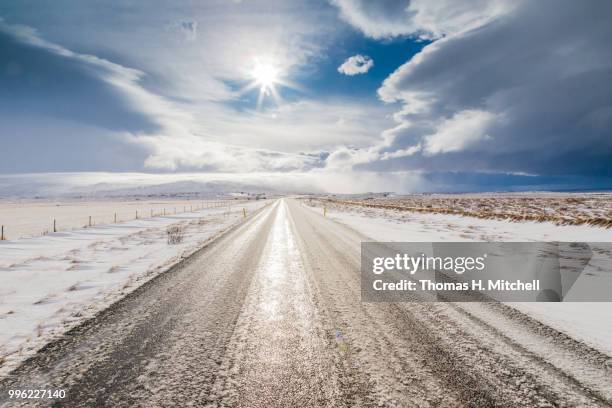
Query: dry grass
(561,209)
(175,233)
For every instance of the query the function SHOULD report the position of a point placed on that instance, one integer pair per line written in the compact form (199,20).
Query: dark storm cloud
(527,93)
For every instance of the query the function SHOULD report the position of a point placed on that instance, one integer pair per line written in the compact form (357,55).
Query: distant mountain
(94,185)
(173,189)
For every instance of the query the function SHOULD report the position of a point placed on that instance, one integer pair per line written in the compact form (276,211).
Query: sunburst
(266,75)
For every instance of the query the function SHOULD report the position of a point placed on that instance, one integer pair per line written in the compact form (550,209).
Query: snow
(52,283)
(389,225)
(586,322)
(23,218)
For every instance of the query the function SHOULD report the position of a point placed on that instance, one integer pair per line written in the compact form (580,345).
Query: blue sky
(478,95)
(324,81)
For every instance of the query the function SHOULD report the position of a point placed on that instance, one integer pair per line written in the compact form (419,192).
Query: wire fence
(104,215)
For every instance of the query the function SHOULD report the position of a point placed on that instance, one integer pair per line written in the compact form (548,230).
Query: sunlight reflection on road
(279,341)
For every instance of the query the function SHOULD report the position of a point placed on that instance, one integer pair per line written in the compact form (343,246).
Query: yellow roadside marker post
(244,214)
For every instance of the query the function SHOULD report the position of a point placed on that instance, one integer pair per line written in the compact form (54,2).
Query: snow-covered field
(51,283)
(587,322)
(29,217)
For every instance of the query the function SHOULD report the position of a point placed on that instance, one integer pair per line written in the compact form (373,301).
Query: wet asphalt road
(270,315)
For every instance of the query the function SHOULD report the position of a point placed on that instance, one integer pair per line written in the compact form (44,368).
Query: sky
(339,96)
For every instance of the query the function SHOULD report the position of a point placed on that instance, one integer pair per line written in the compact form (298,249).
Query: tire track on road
(479,374)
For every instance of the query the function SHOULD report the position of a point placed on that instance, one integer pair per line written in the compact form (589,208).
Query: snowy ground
(51,283)
(587,322)
(23,218)
(558,208)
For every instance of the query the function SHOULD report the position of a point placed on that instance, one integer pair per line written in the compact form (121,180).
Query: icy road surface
(270,315)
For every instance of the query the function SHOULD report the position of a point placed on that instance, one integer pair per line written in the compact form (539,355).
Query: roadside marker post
(54,226)
(2,234)
(325,211)
(244,213)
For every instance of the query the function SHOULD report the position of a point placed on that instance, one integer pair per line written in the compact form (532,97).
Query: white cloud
(357,64)
(422,18)
(438,18)
(463,130)
(377,19)
(409,151)
(303,126)
(345,158)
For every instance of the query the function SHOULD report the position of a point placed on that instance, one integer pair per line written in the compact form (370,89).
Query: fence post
(54,226)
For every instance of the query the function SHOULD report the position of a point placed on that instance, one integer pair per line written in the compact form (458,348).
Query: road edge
(145,281)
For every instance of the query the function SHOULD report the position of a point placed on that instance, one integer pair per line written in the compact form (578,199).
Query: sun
(269,76)
(266,76)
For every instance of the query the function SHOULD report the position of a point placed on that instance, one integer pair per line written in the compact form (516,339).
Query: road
(270,315)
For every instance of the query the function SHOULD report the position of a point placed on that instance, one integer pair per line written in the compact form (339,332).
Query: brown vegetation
(574,209)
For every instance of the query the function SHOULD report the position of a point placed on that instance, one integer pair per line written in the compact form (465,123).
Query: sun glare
(265,75)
